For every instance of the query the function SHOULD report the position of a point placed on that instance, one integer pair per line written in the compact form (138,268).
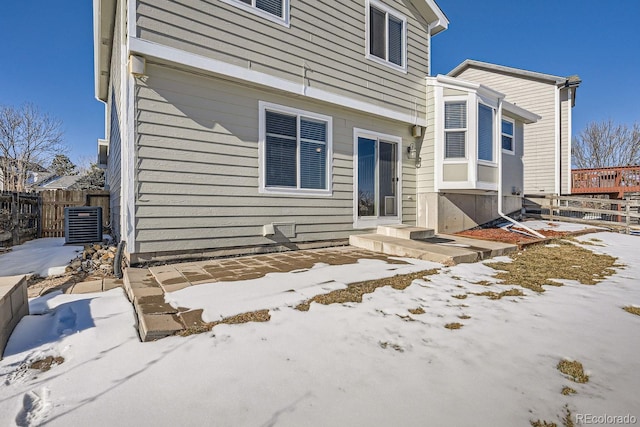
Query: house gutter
(502,214)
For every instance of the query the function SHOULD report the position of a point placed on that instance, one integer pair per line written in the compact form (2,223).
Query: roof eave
(557,80)
(103,23)
(436,18)
(520,113)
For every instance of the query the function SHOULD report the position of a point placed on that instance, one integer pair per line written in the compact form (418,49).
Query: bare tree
(603,144)
(28,138)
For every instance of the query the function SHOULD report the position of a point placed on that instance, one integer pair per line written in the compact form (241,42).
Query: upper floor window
(295,152)
(455,130)
(507,136)
(274,10)
(387,35)
(485,133)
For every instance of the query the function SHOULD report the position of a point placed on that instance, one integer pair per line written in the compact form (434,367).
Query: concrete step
(155,318)
(402,231)
(445,249)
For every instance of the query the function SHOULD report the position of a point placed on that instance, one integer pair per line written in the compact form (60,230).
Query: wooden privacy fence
(19,213)
(53,203)
(589,210)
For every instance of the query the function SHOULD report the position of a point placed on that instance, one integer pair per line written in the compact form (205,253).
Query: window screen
(485,133)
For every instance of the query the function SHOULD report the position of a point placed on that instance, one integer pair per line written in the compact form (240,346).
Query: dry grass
(539,423)
(483,283)
(497,295)
(418,310)
(460,296)
(573,369)
(631,309)
(47,363)
(396,347)
(454,325)
(538,265)
(355,291)
(464,317)
(566,391)
(253,316)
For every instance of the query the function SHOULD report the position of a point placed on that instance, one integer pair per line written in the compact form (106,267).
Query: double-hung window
(295,151)
(387,35)
(274,10)
(485,133)
(455,130)
(507,136)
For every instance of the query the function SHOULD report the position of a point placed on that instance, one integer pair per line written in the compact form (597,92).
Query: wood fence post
(15,220)
(627,210)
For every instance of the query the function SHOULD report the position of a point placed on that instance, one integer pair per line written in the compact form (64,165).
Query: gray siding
(113,174)
(324,46)
(512,163)
(539,98)
(197,167)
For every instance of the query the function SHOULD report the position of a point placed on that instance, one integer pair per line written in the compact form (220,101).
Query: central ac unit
(83,224)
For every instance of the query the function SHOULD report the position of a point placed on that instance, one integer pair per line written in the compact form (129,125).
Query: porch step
(155,318)
(402,231)
(445,249)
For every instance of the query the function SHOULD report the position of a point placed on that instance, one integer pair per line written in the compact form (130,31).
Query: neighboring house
(238,126)
(547,155)
(10,181)
(56,182)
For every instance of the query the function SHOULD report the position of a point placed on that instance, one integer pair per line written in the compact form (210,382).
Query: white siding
(539,138)
(197,167)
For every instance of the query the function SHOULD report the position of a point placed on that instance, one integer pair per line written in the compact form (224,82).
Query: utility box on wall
(83,224)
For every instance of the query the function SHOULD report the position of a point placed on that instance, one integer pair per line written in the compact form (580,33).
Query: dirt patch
(454,325)
(418,310)
(538,265)
(573,369)
(460,296)
(515,237)
(539,423)
(47,363)
(631,309)
(464,317)
(253,316)
(567,391)
(497,295)
(355,291)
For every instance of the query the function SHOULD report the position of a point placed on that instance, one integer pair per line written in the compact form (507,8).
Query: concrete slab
(445,249)
(193,273)
(87,287)
(402,231)
(140,278)
(13,306)
(153,304)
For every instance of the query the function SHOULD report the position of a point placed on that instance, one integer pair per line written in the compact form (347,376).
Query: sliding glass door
(377,180)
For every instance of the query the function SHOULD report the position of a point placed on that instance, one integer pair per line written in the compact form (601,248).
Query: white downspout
(500,154)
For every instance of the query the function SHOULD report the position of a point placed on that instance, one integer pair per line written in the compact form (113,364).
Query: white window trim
(284,20)
(452,160)
(372,222)
(480,161)
(388,11)
(263,107)
(513,136)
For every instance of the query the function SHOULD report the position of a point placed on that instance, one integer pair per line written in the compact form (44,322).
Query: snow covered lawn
(357,364)
(44,257)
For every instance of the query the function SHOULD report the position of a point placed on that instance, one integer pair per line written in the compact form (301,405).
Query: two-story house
(547,157)
(242,126)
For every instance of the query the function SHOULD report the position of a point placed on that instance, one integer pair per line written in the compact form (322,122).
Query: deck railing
(620,180)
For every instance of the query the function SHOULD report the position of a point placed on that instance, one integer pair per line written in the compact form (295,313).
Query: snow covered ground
(343,364)
(44,257)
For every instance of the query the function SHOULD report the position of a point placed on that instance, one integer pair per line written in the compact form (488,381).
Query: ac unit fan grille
(83,224)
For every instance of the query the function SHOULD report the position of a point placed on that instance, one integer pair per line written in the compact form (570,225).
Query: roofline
(571,81)
(465,84)
(104,14)
(527,116)
(441,22)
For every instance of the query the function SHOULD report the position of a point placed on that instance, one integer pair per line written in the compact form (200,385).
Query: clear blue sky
(47,54)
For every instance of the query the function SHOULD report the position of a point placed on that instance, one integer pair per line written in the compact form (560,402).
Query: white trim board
(235,72)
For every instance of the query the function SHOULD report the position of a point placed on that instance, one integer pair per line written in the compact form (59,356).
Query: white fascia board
(436,18)
(468,63)
(96,48)
(103,25)
(235,72)
(525,116)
